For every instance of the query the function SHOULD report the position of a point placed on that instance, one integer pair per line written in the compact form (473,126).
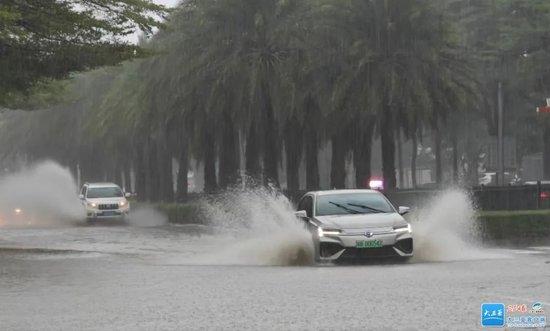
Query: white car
(355,224)
(104,200)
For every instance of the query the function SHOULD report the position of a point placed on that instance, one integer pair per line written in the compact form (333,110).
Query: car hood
(106,200)
(362,221)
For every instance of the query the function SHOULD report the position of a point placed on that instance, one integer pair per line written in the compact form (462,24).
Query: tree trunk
(140,173)
(293,152)
(164,170)
(118,173)
(229,162)
(148,194)
(271,153)
(182,184)
(472,162)
(311,146)
(387,138)
(252,153)
(438,161)
(362,155)
(210,182)
(338,163)
(400,160)
(155,175)
(454,142)
(414,155)
(546,151)
(127,178)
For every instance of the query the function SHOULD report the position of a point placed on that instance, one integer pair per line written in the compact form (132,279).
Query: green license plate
(368,244)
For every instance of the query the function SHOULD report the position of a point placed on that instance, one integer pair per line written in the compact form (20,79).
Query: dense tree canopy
(260,87)
(48,39)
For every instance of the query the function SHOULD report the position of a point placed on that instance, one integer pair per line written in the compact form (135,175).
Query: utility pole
(500,147)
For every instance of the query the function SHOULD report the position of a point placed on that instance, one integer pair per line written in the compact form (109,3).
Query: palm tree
(391,49)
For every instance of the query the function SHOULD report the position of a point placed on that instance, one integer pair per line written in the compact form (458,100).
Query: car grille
(374,231)
(109,206)
(359,253)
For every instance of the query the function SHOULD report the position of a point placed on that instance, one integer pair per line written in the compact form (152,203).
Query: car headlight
(92,204)
(122,203)
(327,232)
(403,228)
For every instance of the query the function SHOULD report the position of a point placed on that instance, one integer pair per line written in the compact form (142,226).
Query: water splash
(42,195)
(445,229)
(256,227)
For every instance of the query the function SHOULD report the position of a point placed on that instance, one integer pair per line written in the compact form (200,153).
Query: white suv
(104,200)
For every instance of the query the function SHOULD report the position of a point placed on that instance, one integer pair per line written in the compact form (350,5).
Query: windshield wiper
(349,210)
(367,207)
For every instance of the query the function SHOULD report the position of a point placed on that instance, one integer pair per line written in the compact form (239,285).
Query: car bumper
(344,247)
(106,214)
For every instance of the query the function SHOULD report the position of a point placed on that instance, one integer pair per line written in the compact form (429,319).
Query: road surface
(164,278)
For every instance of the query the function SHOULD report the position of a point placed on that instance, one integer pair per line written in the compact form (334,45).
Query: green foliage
(41,40)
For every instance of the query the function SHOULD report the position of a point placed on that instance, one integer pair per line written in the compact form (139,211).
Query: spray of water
(42,195)
(445,229)
(255,227)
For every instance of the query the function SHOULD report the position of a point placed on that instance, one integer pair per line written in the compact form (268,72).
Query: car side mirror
(81,196)
(404,210)
(301,214)
(127,194)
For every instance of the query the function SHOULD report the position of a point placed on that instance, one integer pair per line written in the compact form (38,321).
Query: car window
(352,203)
(104,192)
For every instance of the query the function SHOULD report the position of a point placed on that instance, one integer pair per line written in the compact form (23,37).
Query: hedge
(515,226)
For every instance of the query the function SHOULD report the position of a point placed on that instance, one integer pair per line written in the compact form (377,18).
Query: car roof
(332,192)
(102,185)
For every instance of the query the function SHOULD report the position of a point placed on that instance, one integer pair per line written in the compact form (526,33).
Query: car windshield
(352,203)
(104,192)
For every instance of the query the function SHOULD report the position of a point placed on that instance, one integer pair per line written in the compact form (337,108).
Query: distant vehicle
(490,178)
(487,178)
(355,224)
(15,217)
(104,200)
(534,182)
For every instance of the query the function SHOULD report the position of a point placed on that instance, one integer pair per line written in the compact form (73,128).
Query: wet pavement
(161,278)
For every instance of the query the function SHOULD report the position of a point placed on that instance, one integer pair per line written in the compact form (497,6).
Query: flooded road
(165,278)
